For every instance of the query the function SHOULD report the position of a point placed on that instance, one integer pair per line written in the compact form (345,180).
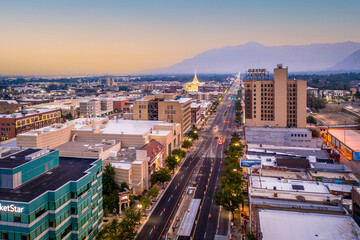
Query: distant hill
(232,59)
(352,62)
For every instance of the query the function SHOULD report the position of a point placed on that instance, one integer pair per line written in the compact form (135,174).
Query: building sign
(258,73)
(124,198)
(247,163)
(11,208)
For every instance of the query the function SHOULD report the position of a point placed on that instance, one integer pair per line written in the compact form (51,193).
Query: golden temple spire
(195,80)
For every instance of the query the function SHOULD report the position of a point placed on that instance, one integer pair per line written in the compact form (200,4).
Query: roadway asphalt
(211,220)
(159,221)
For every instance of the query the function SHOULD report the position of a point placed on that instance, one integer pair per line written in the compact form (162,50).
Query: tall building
(26,120)
(194,85)
(278,103)
(164,107)
(44,196)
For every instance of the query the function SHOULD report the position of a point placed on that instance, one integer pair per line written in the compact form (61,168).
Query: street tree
(171,162)
(109,184)
(153,192)
(186,144)
(179,153)
(160,176)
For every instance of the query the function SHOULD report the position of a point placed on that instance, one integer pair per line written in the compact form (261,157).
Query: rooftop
(279,184)
(134,127)
(350,138)
(27,112)
(69,169)
(303,225)
(86,146)
(17,157)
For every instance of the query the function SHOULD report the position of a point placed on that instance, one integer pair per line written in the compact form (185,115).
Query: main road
(159,221)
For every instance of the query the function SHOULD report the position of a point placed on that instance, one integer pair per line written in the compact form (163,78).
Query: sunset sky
(123,37)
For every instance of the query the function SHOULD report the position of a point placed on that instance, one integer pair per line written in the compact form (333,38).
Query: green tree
(160,176)
(346,98)
(230,197)
(315,103)
(109,184)
(171,162)
(311,119)
(186,144)
(145,202)
(111,202)
(179,153)
(131,219)
(153,192)
(69,116)
(121,230)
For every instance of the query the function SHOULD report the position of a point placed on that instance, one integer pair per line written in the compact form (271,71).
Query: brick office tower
(277,103)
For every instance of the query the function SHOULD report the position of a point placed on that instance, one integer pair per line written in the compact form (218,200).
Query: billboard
(247,163)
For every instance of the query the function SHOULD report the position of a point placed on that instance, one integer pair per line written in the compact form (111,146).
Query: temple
(193,86)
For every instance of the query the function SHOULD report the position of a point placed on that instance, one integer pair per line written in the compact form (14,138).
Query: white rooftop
(288,185)
(121,165)
(135,127)
(285,225)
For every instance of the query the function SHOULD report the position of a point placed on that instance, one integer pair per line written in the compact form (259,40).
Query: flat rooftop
(350,138)
(69,169)
(84,146)
(17,157)
(284,225)
(291,185)
(135,127)
(289,151)
(28,112)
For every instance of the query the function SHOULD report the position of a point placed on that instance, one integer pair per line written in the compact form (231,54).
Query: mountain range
(299,58)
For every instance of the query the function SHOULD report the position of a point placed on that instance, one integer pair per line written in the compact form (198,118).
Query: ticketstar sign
(11,208)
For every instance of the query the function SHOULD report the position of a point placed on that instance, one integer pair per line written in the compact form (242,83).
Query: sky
(70,37)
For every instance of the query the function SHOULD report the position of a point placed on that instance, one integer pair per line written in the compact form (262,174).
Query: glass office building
(44,196)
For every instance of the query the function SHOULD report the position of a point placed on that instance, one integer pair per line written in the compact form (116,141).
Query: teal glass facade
(59,198)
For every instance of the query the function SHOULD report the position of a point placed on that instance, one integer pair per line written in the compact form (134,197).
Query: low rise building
(345,140)
(292,137)
(195,112)
(26,120)
(91,108)
(44,196)
(298,225)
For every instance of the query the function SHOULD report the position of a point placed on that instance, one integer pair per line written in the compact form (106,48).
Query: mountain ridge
(231,59)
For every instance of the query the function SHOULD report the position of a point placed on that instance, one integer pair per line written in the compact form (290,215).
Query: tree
(179,153)
(186,144)
(130,220)
(153,192)
(193,135)
(121,230)
(69,116)
(311,119)
(171,162)
(315,103)
(109,184)
(160,176)
(230,197)
(145,202)
(111,202)
(346,98)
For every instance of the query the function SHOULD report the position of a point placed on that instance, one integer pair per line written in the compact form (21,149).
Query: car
(216,137)
(221,140)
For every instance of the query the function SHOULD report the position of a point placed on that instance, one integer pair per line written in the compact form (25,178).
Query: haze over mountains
(312,57)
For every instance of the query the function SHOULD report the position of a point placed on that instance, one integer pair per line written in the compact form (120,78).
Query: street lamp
(139,206)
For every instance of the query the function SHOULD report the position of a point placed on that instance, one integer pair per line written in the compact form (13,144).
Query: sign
(124,198)
(11,208)
(247,163)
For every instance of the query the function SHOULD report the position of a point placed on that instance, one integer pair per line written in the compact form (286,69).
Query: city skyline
(119,37)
